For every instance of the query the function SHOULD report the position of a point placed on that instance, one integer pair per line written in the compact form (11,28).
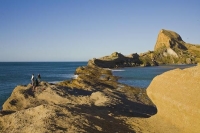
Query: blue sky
(79,30)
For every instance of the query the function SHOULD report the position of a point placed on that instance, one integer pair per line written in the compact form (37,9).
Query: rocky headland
(169,49)
(96,102)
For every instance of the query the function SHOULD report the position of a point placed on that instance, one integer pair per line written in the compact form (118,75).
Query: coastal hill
(169,49)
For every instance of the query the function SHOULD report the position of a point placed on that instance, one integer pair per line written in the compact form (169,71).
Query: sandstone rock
(99,99)
(115,60)
(88,103)
(22,97)
(172,52)
(171,49)
(176,96)
(188,61)
(169,39)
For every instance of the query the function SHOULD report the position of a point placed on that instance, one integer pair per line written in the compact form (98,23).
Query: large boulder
(176,96)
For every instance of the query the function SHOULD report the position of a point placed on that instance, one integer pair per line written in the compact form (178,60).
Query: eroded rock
(92,102)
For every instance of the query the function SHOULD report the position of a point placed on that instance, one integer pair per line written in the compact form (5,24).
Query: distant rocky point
(169,49)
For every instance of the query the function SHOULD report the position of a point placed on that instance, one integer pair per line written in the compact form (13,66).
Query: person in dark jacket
(35,84)
(39,78)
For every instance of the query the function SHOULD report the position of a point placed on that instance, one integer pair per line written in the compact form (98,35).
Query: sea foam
(117,70)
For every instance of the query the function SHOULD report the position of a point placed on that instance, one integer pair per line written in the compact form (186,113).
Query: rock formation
(93,102)
(171,49)
(116,60)
(169,39)
(176,96)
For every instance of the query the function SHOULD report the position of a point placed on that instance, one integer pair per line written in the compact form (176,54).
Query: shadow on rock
(79,92)
(111,118)
(100,120)
(75,91)
(28,92)
(6,112)
(133,109)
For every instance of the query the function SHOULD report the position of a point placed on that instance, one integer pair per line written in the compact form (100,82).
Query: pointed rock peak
(169,39)
(171,34)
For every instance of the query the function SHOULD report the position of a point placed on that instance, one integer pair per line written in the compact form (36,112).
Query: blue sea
(19,73)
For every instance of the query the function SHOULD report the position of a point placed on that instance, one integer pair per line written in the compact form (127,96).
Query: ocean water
(142,76)
(19,73)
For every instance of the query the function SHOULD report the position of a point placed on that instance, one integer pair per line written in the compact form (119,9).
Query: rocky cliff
(169,49)
(176,96)
(169,39)
(117,60)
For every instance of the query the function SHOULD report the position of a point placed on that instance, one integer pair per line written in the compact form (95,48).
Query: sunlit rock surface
(176,94)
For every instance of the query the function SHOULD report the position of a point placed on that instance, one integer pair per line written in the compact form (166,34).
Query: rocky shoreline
(96,102)
(93,102)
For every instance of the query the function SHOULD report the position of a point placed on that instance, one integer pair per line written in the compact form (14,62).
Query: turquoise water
(19,73)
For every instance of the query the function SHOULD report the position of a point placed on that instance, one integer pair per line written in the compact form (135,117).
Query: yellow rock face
(176,94)
(168,39)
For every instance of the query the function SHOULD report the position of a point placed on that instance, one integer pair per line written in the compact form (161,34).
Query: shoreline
(96,99)
(90,93)
(190,65)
